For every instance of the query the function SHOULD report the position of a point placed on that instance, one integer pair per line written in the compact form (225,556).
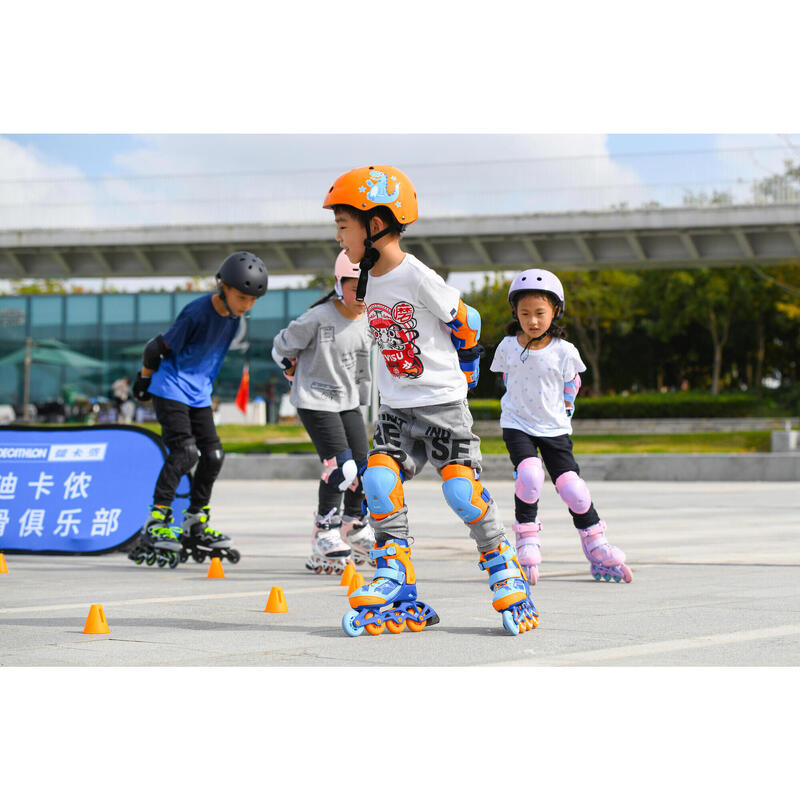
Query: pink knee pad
(574,492)
(529,480)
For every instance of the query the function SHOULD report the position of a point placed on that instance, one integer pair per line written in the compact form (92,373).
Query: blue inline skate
(394,583)
(512,596)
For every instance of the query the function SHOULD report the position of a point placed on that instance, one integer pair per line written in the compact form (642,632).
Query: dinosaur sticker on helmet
(379,188)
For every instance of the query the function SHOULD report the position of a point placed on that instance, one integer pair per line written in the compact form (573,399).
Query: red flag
(243,395)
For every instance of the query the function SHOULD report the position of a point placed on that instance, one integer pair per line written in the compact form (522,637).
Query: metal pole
(26,394)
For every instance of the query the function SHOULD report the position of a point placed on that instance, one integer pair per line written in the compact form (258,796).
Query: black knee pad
(183,457)
(211,462)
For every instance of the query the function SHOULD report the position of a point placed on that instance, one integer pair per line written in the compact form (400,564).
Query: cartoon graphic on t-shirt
(394,330)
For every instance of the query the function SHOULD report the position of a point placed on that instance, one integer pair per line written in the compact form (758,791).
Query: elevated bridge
(661,238)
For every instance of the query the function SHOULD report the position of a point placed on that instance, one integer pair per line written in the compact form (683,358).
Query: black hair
(331,293)
(383,213)
(513,327)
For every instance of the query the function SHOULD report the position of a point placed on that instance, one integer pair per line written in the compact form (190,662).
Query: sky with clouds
(85,180)
(52,180)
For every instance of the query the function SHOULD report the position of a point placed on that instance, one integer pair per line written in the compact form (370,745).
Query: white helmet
(344,268)
(538,280)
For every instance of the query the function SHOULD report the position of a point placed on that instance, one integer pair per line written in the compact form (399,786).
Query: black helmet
(245,272)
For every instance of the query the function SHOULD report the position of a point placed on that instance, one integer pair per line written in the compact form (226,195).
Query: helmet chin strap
(225,299)
(370,258)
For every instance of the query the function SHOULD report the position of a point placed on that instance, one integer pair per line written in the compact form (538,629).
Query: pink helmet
(344,268)
(538,280)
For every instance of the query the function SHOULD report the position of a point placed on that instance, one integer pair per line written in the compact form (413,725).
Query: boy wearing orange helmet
(428,339)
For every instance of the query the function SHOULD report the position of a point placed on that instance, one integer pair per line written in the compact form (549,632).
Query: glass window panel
(301,299)
(155,308)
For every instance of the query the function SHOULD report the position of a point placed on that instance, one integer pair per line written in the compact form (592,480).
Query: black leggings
(185,430)
(332,432)
(557,456)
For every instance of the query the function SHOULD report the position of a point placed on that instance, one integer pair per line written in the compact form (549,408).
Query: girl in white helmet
(325,355)
(541,372)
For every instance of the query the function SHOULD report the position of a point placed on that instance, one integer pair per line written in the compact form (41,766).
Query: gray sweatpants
(441,434)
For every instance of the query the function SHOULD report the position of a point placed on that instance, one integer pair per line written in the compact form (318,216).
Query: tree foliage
(709,329)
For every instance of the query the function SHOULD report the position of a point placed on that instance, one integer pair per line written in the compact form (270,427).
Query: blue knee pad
(464,494)
(383,486)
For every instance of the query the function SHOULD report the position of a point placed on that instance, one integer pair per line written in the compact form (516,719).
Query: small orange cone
(347,575)
(215,569)
(276,604)
(96,621)
(3,565)
(358,580)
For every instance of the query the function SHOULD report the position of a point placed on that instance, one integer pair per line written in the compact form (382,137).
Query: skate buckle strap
(501,558)
(391,572)
(504,575)
(383,551)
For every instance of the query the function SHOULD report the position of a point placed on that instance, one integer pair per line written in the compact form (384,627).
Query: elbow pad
(466,330)
(154,351)
(466,327)
(571,389)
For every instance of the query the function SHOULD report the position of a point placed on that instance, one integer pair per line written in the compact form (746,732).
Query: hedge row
(637,406)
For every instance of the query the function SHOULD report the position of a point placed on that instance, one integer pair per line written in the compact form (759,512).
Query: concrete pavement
(716,583)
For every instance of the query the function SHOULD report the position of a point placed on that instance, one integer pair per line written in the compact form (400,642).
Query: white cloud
(283,178)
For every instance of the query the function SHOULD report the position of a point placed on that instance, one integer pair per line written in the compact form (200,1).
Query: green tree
(597,303)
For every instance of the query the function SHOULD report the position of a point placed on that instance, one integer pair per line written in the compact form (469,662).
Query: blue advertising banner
(83,489)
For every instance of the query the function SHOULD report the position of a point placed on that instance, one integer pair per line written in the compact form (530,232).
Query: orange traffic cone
(358,580)
(215,569)
(96,621)
(3,565)
(347,575)
(276,604)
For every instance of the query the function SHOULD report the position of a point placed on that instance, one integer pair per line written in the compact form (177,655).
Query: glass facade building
(114,329)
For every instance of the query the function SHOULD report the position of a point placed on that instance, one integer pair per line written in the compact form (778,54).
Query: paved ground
(717,571)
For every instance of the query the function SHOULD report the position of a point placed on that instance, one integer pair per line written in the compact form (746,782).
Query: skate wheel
(184,556)
(606,577)
(199,556)
(349,626)
(374,628)
(318,570)
(139,559)
(151,559)
(395,627)
(413,625)
(174,560)
(509,624)
(234,556)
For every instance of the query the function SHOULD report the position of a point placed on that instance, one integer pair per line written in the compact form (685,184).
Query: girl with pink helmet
(325,355)
(541,373)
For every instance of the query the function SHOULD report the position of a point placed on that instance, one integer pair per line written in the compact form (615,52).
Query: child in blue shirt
(178,370)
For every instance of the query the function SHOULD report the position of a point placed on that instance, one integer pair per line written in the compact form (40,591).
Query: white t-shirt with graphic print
(408,309)
(534,398)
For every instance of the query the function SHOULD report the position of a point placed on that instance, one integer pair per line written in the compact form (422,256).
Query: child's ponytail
(331,293)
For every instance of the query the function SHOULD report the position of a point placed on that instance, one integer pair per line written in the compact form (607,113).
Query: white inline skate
(358,533)
(329,553)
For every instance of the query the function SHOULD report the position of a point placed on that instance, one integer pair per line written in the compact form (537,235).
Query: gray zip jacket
(332,355)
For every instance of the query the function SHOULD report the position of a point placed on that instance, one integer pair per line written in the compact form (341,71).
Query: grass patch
(706,442)
(294,439)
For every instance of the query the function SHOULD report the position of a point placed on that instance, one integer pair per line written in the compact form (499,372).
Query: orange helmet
(379,185)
